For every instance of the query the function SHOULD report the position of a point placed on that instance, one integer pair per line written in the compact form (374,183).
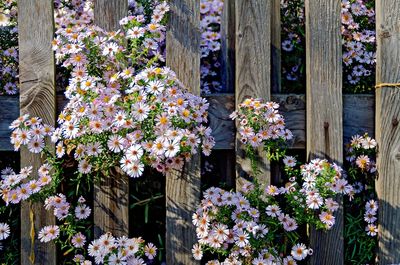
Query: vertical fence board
(111,195)
(183,188)
(388,129)
(37,97)
(324,109)
(253,70)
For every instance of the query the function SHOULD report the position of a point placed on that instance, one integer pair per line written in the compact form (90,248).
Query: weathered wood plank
(223,128)
(253,70)
(37,97)
(107,14)
(358,116)
(111,195)
(183,188)
(388,129)
(324,127)
(228,47)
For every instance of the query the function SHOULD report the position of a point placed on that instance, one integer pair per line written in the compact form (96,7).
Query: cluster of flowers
(15,188)
(8,48)
(31,132)
(258,226)
(210,26)
(358,31)
(143,115)
(124,110)
(362,170)
(110,250)
(260,124)
(371,209)
(317,184)
(106,249)
(72,218)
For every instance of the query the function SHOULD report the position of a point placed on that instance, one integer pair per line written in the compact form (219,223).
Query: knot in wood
(384,34)
(395,122)
(326,125)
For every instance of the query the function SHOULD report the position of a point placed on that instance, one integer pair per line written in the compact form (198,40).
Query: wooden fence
(321,120)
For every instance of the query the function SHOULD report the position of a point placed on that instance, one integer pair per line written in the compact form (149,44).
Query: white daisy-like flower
(134,152)
(115,143)
(78,240)
(299,251)
(84,167)
(150,251)
(135,32)
(117,259)
(36,145)
(371,229)
(172,148)
(82,211)
(49,233)
(197,252)
(4,231)
(289,161)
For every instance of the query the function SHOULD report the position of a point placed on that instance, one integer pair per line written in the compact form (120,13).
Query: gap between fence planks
(228,47)
(37,97)
(111,195)
(324,110)
(183,188)
(253,71)
(388,130)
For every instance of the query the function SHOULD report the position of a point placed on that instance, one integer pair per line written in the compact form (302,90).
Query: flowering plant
(261,125)
(8,48)
(122,250)
(210,26)
(358,33)
(122,110)
(125,110)
(361,213)
(258,225)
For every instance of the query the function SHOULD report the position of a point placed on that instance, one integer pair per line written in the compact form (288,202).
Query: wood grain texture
(276,46)
(183,188)
(253,71)
(358,116)
(228,47)
(111,195)
(388,129)
(107,14)
(324,110)
(223,127)
(37,97)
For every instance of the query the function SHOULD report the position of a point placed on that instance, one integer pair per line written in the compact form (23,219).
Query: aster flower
(150,250)
(78,240)
(82,211)
(49,233)
(4,231)
(299,251)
